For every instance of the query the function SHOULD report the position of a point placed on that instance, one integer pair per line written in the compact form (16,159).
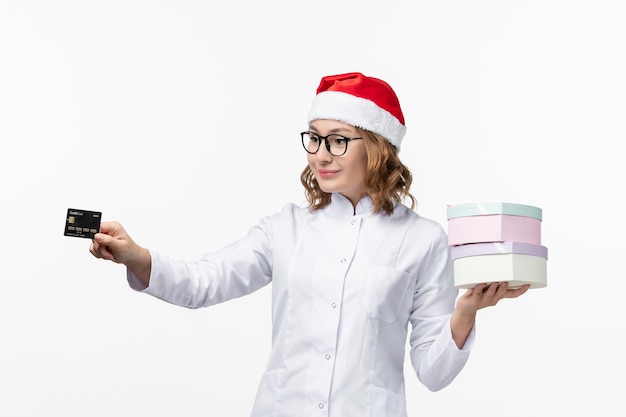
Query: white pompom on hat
(361,101)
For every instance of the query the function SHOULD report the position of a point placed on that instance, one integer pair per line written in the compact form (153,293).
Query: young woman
(353,273)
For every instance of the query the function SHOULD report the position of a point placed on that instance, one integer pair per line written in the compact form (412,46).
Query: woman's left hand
(481,296)
(487,295)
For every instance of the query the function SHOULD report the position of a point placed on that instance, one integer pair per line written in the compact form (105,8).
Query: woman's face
(343,174)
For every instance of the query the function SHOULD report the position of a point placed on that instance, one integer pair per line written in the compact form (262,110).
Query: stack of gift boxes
(497,242)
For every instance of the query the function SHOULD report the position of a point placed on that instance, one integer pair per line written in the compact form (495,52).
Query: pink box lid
(494,248)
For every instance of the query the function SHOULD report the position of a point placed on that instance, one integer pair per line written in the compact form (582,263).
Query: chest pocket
(384,292)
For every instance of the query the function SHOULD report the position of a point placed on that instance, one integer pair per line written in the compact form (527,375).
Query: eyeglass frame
(326,143)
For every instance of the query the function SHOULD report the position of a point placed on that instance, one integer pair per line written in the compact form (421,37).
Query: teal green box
(485,209)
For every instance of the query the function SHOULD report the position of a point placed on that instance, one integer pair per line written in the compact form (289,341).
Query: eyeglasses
(336,145)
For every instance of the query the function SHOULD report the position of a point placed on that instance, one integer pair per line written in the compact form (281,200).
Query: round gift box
(493,222)
(517,263)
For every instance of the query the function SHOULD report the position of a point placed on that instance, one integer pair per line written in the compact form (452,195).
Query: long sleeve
(434,355)
(234,271)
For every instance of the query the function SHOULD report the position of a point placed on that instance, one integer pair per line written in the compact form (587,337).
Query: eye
(338,140)
(313,138)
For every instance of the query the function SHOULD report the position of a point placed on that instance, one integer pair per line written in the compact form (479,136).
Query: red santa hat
(360,101)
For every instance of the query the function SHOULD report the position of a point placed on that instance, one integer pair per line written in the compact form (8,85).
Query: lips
(326,173)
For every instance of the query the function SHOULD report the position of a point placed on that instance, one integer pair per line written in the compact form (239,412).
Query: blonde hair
(387,179)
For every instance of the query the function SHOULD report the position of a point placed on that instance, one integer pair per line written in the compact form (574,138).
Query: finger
(106,227)
(516,292)
(93,249)
(490,290)
(480,289)
(104,240)
(502,289)
(111,228)
(105,253)
(101,251)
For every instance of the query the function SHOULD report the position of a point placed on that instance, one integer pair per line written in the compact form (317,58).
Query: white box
(514,262)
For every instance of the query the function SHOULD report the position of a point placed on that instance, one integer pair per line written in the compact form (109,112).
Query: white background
(181,118)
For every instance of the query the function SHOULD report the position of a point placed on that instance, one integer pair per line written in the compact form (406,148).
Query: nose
(323,153)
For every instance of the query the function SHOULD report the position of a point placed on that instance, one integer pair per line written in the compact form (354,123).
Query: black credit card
(82,223)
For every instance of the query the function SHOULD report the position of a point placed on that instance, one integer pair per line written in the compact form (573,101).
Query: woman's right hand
(114,244)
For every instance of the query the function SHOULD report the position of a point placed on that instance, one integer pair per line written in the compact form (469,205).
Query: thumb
(111,234)
(106,247)
(103,239)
